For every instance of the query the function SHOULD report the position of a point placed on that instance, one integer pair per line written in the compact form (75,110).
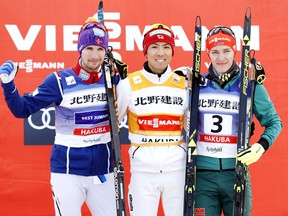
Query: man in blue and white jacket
(81,163)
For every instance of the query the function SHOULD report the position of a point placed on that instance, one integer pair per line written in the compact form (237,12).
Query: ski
(108,69)
(194,80)
(245,118)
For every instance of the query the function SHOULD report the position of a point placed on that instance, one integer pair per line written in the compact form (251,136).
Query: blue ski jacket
(82,143)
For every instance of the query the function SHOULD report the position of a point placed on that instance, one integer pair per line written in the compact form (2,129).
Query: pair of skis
(245,120)
(245,117)
(108,69)
(257,76)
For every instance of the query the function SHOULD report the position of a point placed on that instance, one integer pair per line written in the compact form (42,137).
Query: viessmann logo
(163,123)
(133,34)
(29,65)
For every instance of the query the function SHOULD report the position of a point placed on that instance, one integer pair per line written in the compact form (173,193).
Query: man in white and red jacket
(155,100)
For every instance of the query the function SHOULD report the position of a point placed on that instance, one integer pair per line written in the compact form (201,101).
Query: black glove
(183,71)
(122,68)
(259,72)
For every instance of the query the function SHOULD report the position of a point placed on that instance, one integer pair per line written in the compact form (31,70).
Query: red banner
(42,37)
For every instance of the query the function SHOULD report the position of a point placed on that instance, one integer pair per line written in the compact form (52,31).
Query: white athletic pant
(71,191)
(146,189)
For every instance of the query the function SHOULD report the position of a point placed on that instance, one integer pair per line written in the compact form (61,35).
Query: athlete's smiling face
(92,57)
(222,58)
(159,55)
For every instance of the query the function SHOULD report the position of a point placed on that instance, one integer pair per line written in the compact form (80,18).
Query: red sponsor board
(42,36)
(159,123)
